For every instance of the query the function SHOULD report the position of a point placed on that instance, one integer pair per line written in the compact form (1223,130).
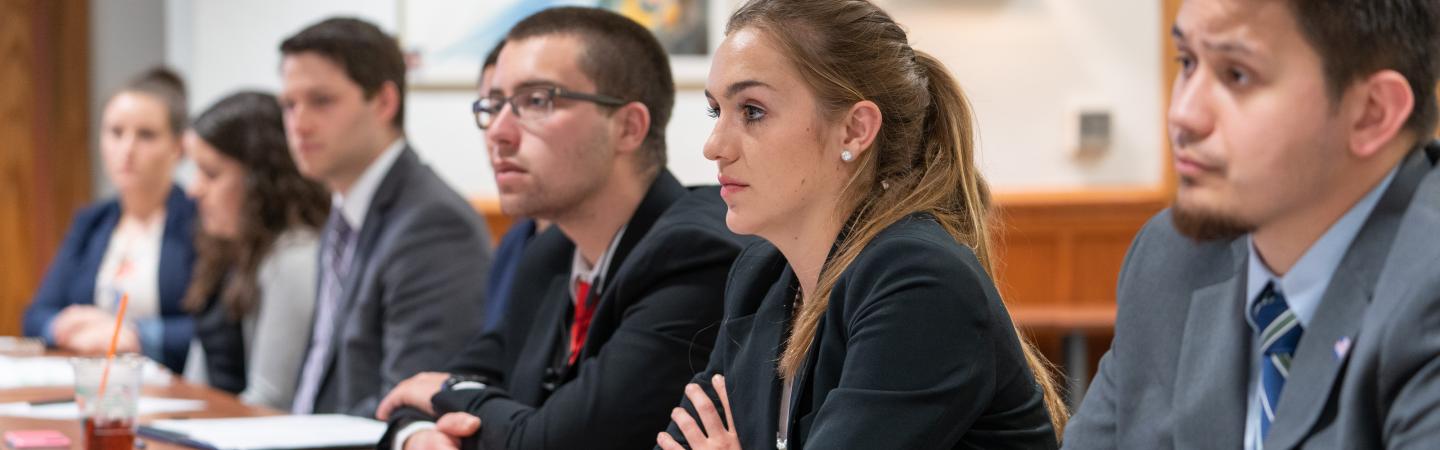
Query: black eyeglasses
(532,103)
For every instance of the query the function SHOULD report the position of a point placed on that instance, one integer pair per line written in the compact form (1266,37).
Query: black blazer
(70,280)
(414,291)
(653,328)
(915,351)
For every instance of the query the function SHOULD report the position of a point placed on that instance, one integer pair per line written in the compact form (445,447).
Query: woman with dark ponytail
(868,318)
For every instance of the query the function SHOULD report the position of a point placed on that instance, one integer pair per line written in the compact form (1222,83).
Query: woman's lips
(730,186)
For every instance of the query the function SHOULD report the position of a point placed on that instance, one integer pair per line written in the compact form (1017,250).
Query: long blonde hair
(850,51)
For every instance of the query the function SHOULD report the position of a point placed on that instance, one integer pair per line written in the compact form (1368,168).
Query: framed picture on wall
(445,41)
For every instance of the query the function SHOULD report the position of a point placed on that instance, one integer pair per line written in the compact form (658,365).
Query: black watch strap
(464,382)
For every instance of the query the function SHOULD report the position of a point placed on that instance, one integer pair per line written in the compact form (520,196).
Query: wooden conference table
(217,404)
(1075,323)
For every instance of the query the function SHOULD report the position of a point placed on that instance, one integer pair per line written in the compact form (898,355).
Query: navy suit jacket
(502,270)
(70,280)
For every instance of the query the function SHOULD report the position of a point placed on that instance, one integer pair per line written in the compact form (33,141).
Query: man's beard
(1204,226)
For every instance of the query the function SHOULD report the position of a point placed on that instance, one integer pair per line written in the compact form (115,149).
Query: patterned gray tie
(339,243)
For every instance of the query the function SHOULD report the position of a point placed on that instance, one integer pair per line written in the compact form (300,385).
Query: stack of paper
(276,432)
(47,371)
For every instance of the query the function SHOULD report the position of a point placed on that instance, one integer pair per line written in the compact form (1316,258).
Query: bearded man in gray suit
(1291,296)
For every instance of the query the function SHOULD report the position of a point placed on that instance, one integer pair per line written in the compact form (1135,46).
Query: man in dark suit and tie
(403,257)
(596,346)
(1289,298)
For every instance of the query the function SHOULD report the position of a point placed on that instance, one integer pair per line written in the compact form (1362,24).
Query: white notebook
(274,432)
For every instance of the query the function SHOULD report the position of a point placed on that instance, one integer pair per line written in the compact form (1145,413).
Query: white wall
(1023,63)
(126,37)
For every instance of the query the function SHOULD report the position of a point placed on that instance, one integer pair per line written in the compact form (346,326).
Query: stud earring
(847,156)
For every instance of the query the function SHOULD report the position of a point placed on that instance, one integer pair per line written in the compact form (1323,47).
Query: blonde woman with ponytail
(867,319)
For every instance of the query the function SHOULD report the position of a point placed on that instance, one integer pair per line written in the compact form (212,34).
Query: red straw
(114,338)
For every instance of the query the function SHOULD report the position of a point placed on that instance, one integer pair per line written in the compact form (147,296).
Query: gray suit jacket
(1177,373)
(415,290)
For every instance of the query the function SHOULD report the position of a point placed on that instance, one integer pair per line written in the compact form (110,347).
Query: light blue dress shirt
(1303,287)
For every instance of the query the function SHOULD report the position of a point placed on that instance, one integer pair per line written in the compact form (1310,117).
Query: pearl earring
(847,156)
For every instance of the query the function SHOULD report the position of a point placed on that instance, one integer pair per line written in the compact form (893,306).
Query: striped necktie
(339,244)
(1280,333)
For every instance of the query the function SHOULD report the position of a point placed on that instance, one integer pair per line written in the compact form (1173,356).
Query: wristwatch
(462,382)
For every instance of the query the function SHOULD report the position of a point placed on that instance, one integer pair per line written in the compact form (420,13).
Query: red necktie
(584,311)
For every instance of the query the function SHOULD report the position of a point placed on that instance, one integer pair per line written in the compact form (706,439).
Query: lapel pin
(1342,347)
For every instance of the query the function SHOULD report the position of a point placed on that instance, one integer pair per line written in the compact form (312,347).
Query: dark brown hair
(247,128)
(621,57)
(1356,38)
(369,57)
(491,58)
(850,51)
(166,86)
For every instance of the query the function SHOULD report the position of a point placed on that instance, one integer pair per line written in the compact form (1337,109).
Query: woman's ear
(860,126)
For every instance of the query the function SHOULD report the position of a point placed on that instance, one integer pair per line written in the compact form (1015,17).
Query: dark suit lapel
(174,262)
(663,192)
(752,380)
(1213,373)
(551,337)
(95,252)
(380,204)
(1324,347)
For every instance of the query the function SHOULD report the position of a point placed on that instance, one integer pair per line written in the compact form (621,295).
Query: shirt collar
(583,271)
(355,203)
(1305,284)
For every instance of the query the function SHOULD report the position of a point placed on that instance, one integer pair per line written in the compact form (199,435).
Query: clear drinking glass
(108,412)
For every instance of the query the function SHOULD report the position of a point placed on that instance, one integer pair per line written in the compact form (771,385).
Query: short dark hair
(369,56)
(623,59)
(491,58)
(1356,38)
(166,86)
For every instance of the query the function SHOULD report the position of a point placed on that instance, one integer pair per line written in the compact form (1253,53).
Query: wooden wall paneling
(1098,257)
(1028,265)
(16,158)
(65,159)
(495,220)
(44,131)
(1060,256)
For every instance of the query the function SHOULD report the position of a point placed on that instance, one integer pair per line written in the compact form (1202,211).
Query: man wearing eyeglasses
(591,354)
